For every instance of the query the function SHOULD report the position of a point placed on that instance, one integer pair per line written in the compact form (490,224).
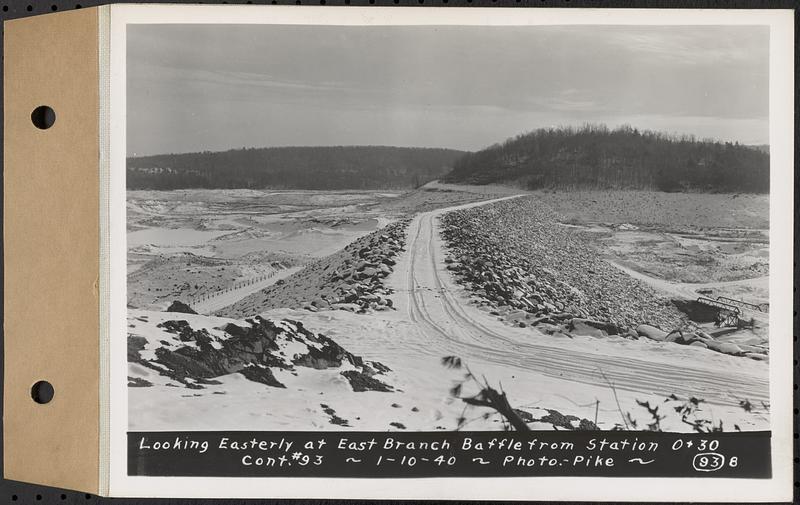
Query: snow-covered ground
(594,378)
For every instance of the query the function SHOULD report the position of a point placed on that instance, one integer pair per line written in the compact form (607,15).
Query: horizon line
(465,151)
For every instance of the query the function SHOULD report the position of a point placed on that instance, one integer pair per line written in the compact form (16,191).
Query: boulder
(590,327)
(726,348)
(580,326)
(631,334)
(547,328)
(178,306)
(651,332)
(319,303)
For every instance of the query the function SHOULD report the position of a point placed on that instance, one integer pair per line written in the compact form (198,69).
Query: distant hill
(624,158)
(348,167)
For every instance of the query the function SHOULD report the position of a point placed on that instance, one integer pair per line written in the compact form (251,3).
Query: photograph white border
(781,105)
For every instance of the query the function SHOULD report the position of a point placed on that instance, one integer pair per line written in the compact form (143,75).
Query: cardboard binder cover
(51,236)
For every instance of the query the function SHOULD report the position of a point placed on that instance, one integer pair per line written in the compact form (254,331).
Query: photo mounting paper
(451,253)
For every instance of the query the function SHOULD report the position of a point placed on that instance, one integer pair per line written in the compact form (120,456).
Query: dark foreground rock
(361,381)
(256,350)
(566,421)
(261,374)
(138,382)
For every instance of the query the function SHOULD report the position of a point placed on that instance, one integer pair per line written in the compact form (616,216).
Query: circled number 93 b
(708,461)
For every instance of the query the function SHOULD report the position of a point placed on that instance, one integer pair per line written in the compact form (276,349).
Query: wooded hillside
(348,167)
(624,158)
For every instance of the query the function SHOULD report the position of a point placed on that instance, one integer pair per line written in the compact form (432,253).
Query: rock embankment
(526,268)
(351,279)
(514,254)
(261,350)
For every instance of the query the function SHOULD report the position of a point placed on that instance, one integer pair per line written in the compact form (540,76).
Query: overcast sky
(214,87)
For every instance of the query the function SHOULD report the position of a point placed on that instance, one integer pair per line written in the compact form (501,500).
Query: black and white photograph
(422,228)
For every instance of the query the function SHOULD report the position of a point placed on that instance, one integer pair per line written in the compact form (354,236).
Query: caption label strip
(449,454)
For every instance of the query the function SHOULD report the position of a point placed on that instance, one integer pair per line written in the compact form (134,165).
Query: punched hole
(43,117)
(42,392)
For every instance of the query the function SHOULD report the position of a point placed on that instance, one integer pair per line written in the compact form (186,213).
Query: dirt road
(448,325)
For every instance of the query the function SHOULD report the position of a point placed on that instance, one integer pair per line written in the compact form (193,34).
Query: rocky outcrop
(138,382)
(351,279)
(361,381)
(136,345)
(566,421)
(329,355)
(261,374)
(256,350)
